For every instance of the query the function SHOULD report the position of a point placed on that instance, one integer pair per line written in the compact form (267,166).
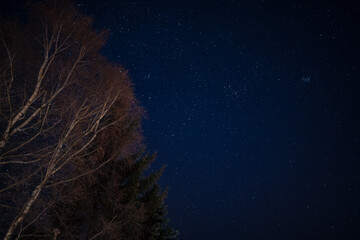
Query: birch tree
(56,92)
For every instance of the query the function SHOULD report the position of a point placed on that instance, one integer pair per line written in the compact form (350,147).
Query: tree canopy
(72,160)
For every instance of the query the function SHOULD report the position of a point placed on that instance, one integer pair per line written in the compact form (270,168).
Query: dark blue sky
(253,106)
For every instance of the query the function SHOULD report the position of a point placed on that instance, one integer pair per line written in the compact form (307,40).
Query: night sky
(254,107)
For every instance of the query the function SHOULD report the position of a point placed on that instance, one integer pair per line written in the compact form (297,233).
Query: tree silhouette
(121,204)
(69,123)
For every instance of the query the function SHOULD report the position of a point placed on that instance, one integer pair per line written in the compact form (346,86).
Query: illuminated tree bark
(54,104)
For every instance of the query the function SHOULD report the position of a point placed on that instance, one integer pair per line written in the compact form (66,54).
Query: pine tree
(158,225)
(121,204)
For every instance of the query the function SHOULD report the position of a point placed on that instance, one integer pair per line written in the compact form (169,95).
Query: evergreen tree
(158,225)
(121,204)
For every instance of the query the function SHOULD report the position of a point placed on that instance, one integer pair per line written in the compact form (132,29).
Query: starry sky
(253,106)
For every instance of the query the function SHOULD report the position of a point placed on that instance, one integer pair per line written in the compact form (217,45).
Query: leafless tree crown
(59,98)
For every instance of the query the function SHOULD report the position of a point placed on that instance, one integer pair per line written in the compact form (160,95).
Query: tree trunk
(25,210)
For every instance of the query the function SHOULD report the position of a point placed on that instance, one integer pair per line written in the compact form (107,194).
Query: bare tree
(56,92)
